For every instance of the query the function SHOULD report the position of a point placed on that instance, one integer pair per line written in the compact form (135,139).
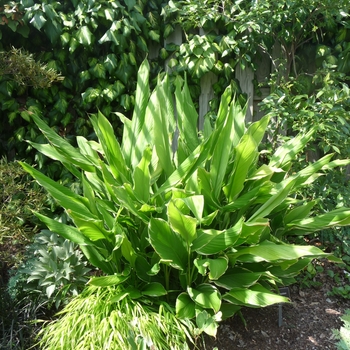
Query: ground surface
(307,322)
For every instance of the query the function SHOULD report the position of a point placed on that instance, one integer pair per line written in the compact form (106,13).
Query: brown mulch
(307,321)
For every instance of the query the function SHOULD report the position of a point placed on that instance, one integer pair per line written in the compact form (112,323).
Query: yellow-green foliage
(25,70)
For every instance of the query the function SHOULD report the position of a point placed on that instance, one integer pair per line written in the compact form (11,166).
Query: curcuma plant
(186,218)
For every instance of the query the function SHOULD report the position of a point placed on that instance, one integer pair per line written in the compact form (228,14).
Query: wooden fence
(245,78)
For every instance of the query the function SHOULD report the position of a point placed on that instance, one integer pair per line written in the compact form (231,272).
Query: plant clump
(187,217)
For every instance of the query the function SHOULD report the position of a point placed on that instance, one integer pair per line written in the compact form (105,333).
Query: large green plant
(193,220)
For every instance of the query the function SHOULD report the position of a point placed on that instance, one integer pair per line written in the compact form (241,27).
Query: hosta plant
(187,217)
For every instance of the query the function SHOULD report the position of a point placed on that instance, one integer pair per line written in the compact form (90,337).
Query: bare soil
(307,321)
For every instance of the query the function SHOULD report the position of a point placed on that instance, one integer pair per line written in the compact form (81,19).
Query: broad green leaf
(217,267)
(228,310)
(238,278)
(274,200)
(185,307)
(163,117)
(106,281)
(65,197)
(213,241)
(187,115)
(184,225)
(168,244)
(111,34)
(128,251)
(252,231)
(63,146)
(133,129)
(254,298)
(245,155)
(221,154)
(284,155)
(337,217)
(123,196)
(196,205)
(154,289)
(142,180)
(111,147)
(292,270)
(53,153)
(206,296)
(238,121)
(299,212)
(186,168)
(205,188)
(38,20)
(268,251)
(90,227)
(68,232)
(207,323)
(89,248)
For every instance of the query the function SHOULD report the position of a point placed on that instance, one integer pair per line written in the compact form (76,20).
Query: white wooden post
(245,78)
(207,92)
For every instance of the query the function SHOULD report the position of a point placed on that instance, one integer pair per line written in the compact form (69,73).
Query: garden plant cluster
(125,226)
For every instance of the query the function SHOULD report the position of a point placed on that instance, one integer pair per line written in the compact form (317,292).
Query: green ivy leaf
(84,36)
(38,20)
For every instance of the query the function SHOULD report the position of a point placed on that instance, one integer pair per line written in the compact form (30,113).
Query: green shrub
(19,196)
(194,221)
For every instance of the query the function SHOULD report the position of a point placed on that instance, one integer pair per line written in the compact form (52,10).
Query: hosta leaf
(168,244)
(185,307)
(187,167)
(89,248)
(245,155)
(154,289)
(206,296)
(238,278)
(254,298)
(196,205)
(91,228)
(122,196)
(292,270)
(207,323)
(184,225)
(106,281)
(268,251)
(214,241)
(228,310)
(217,267)
(337,217)
(299,212)
(142,180)
(53,153)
